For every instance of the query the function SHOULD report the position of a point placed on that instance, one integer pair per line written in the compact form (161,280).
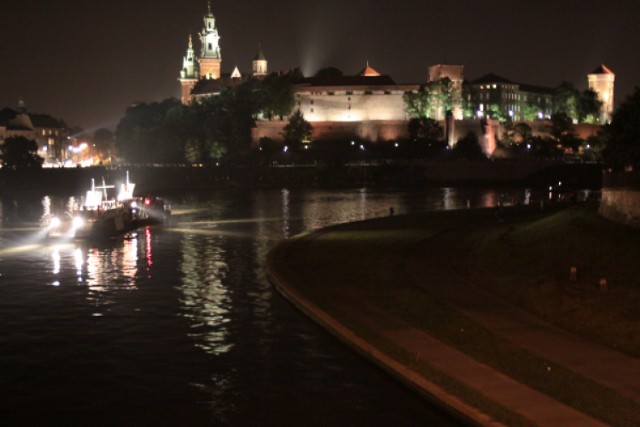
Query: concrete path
(431,267)
(615,370)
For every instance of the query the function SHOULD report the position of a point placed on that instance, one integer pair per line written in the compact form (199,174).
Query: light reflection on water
(187,308)
(205,295)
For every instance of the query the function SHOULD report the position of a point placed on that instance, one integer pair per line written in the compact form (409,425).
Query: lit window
(495,86)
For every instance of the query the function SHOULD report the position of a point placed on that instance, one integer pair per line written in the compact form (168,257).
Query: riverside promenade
(309,271)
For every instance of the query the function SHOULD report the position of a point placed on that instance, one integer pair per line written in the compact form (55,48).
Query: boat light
(77,222)
(54,223)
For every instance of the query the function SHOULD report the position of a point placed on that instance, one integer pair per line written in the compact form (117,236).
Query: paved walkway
(600,364)
(435,272)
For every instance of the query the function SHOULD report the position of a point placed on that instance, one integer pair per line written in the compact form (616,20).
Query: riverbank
(415,295)
(434,173)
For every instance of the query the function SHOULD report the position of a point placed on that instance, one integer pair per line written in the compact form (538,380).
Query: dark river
(177,325)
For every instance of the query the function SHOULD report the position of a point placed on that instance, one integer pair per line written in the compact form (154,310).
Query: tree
(531,110)
(621,138)
(589,107)
(468,93)
(276,96)
(19,152)
(522,132)
(298,131)
(565,100)
(432,100)
(417,104)
(561,126)
(104,140)
(494,112)
(545,148)
(425,130)
(468,148)
(142,135)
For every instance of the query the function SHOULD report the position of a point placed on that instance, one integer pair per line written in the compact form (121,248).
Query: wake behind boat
(100,216)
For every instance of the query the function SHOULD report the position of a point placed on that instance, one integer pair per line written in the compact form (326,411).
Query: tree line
(218,127)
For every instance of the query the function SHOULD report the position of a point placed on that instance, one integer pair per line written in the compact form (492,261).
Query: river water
(177,324)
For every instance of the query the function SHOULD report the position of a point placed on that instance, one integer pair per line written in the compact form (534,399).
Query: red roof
(369,72)
(602,70)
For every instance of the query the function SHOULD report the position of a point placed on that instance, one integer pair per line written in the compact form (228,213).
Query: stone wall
(372,130)
(621,197)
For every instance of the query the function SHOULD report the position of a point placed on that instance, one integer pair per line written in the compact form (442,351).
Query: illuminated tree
(298,131)
(589,107)
(495,112)
(531,110)
(565,100)
(19,152)
(432,100)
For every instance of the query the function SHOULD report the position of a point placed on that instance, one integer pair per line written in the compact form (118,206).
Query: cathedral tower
(210,58)
(601,82)
(189,73)
(259,64)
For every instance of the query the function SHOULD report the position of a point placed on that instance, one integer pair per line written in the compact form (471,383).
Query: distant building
(518,101)
(49,133)
(259,64)
(601,81)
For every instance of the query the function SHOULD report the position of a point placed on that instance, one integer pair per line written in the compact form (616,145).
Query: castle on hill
(369,105)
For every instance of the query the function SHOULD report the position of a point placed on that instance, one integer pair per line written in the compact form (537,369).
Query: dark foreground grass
(529,264)
(365,262)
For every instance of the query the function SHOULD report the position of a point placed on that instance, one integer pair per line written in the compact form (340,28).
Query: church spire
(189,73)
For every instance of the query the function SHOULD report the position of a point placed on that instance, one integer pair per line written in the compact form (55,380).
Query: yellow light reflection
(205,297)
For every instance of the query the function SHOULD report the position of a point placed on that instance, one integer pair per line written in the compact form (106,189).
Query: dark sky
(85,61)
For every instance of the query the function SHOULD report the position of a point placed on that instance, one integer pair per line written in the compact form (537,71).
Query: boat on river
(101,217)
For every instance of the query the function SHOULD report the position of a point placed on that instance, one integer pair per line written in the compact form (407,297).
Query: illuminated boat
(101,217)
(97,217)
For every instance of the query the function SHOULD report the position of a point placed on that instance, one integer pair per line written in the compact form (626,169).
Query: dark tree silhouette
(621,138)
(19,152)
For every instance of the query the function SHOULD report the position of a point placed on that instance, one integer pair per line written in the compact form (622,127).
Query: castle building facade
(369,105)
(520,102)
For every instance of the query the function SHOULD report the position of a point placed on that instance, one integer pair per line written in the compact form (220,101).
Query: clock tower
(210,58)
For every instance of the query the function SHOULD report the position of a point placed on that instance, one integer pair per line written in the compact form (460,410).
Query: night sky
(85,61)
